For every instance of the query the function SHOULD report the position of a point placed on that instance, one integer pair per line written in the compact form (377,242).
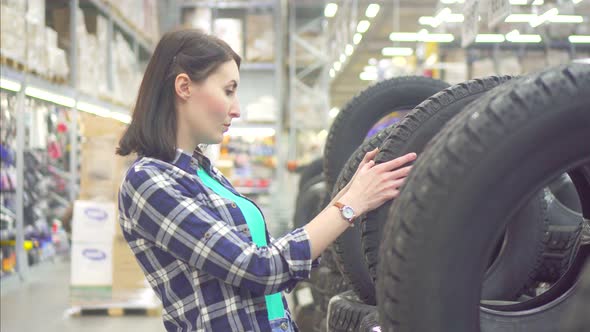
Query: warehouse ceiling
(347,82)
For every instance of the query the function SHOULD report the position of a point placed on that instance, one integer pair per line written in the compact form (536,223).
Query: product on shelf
(260,41)
(230,31)
(197,18)
(12,30)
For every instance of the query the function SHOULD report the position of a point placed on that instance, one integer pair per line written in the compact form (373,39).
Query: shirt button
(284,326)
(233,205)
(207,235)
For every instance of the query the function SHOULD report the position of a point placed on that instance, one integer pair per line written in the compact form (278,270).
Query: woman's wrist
(353,202)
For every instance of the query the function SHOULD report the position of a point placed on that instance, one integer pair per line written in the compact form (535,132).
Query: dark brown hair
(152,131)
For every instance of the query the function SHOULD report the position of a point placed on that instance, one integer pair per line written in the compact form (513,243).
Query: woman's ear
(182,86)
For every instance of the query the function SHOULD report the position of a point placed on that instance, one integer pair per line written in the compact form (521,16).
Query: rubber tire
(370,322)
(347,247)
(578,319)
(492,156)
(564,190)
(520,255)
(560,240)
(309,200)
(346,312)
(310,171)
(351,125)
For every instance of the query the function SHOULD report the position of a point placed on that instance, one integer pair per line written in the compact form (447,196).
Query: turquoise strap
(255,222)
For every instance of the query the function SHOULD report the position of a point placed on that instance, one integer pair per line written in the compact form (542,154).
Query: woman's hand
(372,185)
(369,156)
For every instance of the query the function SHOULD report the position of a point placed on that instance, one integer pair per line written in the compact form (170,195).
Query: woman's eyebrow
(233,83)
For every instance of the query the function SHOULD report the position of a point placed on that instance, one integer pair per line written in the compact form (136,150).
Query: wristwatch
(347,213)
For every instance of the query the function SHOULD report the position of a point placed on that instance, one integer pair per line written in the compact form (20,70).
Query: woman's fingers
(397,162)
(399,173)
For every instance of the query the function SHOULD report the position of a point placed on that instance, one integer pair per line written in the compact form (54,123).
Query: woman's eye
(229,92)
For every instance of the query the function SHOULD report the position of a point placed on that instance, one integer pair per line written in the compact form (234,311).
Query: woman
(204,248)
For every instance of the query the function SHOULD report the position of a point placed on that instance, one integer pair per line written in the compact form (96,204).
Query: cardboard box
(92,264)
(230,31)
(93,221)
(260,45)
(127,274)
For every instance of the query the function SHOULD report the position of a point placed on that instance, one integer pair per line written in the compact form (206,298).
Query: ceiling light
(514,36)
(432,59)
(566,19)
(442,16)
(372,10)
(403,36)
(579,39)
(397,51)
(342,58)
(426,20)
(337,65)
(538,2)
(330,10)
(356,39)
(520,18)
(334,112)
(332,72)
(489,38)
(363,26)
(50,97)
(93,109)
(364,76)
(349,49)
(125,118)
(544,17)
(576,1)
(519,2)
(10,85)
(438,38)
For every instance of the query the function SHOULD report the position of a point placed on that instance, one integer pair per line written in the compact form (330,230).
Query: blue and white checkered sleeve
(166,214)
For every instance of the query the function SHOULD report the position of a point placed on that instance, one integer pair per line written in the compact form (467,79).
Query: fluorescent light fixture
(431,60)
(7,84)
(455,18)
(397,51)
(332,72)
(403,36)
(576,1)
(330,9)
(49,96)
(125,118)
(337,65)
(364,76)
(372,10)
(370,69)
(489,38)
(426,20)
(356,39)
(579,39)
(348,50)
(438,38)
(333,112)
(342,57)
(544,17)
(518,2)
(251,131)
(514,36)
(566,19)
(363,26)
(538,2)
(93,109)
(520,18)
(442,16)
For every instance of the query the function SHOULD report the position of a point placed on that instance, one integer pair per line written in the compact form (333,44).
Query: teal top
(255,222)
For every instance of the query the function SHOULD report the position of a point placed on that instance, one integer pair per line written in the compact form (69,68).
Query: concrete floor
(40,304)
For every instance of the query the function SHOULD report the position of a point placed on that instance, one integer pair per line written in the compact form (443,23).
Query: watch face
(347,212)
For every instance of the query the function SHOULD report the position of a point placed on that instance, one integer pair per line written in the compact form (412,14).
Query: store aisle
(41,304)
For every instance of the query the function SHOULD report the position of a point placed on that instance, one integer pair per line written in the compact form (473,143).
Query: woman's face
(213,104)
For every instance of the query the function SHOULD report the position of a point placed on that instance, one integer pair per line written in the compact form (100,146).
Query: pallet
(116,312)
(8,62)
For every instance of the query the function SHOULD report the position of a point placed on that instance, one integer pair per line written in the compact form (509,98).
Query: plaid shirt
(196,250)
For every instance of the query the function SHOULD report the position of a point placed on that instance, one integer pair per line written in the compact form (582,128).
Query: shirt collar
(190,163)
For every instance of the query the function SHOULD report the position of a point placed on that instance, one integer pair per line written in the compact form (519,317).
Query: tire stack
(490,231)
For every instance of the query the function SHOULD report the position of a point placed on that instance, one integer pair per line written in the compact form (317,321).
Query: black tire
(370,322)
(310,171)
(329,283)
(346,312)
(578,320)
(520,252)
(309,200)
(560,240)
(493,157)
(352,124)
(347,247)
(564,191)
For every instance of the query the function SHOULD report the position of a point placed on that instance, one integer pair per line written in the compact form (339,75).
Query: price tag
(498,10)
(470,25)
